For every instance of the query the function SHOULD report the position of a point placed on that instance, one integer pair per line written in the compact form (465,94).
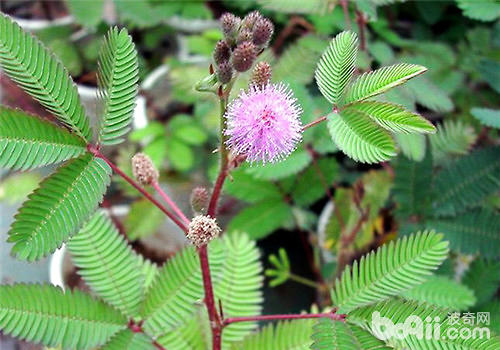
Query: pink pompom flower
(264,123)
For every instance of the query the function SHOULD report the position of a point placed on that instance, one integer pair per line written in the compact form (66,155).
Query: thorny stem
(331,315)
(170,202)
(95,151)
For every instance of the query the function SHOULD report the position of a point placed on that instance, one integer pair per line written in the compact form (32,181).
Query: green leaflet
(117,77)
(485,10)
(245,187)
(296,6)
(336,66)
(128,340)
(413,146)
(390,270)
(467,181)
(40,74)
(393,117)
(286,335)
(334,335)
(45,314)
(444,292)
(379,81)
(471,232)
(108,265)
(44,144)
(88,13)
(487,116)
(359,137)
(59,207)
(296,162)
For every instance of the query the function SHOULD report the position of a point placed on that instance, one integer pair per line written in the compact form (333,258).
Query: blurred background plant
(318,210)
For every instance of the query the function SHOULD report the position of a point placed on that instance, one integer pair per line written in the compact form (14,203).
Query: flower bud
(202,229)
(244,35)
(199,199)
(261,74)
(224,72)
(143,169)
(222,52)
(230,24)
(243,56)
(262,31)
(250,19)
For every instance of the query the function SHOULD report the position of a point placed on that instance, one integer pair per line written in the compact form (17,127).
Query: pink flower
(264,123)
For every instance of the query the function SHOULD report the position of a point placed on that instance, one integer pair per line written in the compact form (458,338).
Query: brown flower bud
(224,72)
(143,169)
(230,24)
(202,229)
(250,19)
(199,199)
(261,74)
(262,31)
(222,52)
(243,56)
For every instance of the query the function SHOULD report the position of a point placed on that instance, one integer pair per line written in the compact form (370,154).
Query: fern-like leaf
(412,186)
(466,182)
(334,335)
(398,311)
(59,207)
(45,314)
(477,231)
(483,277)
(379,81)
(117,76)
(287,335)
(453,138)
(191,335)
(40,74)
(359,137)
(390,270)
(394,117)
(28,142)
(336,66)
(444,292)
(170,304)
(413,146)
(128,340)
(108,265)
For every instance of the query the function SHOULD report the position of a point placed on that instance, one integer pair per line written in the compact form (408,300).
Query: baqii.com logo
(428,329)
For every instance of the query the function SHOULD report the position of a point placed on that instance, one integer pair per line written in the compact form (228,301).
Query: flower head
(202,229)
(264,123)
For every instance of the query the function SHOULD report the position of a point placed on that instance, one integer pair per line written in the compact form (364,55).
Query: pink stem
(95,151)
(170,202)
(331,315)
(314,122)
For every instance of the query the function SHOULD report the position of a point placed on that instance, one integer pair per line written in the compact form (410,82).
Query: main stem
(213,315)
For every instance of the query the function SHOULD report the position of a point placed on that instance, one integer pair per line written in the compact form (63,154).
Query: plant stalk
(314,122)
(95,151)
(170,202)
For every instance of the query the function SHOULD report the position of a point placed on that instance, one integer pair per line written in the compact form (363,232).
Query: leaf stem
(304,281)
(96,152)
(331,315)
(314,122)
(170,202)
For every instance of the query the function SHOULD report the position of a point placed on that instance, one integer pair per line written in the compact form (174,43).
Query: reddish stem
(95,151)
(331,315)
(314,122)
(345,7)
(360,19)
(213,316)
(214,199)
(170,202)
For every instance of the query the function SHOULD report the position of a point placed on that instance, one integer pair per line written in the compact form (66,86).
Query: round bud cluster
(202,229)
(243,40)
(199,199)
(143,169)
(261,74)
